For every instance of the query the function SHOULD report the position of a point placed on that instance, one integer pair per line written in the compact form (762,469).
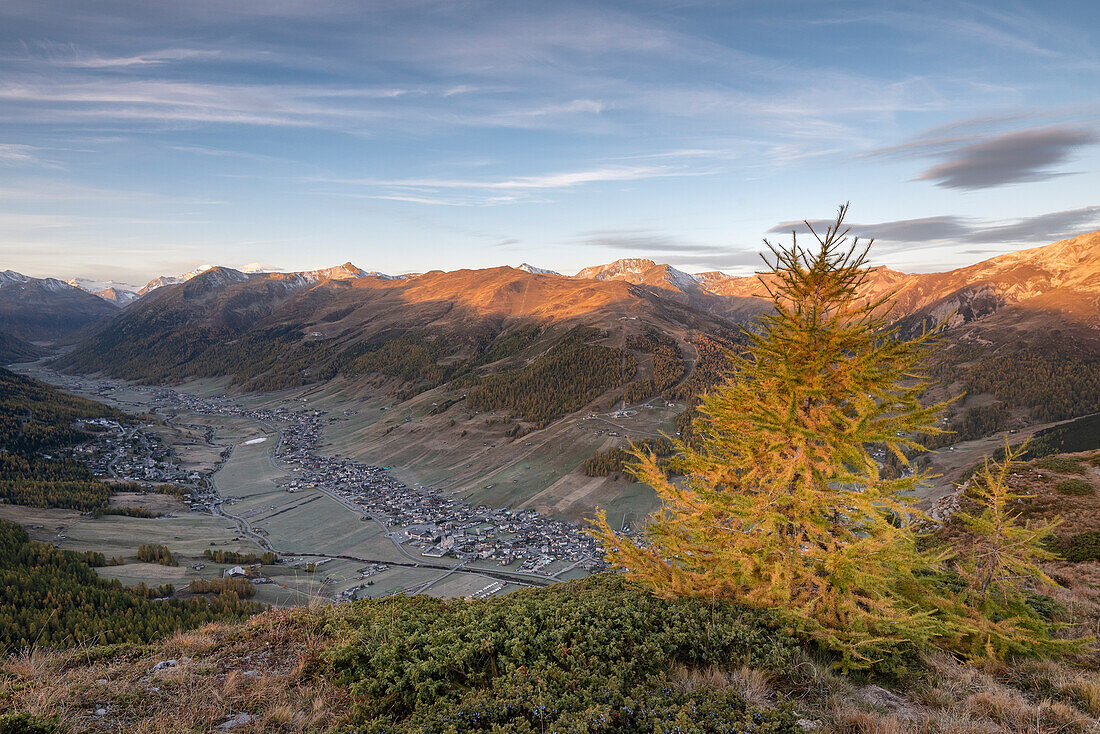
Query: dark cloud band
(1039,229)
(1015,157)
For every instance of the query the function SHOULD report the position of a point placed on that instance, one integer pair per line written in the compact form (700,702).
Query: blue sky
(141,138)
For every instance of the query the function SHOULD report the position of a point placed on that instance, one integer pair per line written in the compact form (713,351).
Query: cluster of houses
(120,451)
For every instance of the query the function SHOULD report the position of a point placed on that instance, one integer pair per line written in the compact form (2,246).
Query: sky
(148,138)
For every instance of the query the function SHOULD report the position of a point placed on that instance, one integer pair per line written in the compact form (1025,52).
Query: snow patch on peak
(118,296)
(347,271)
(220,274)
(164,280)
(53,285)
(10,277)
(525,267)
(112,291)
(680,280)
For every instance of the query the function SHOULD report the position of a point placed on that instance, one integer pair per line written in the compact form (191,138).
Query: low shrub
(1075,487)
(588,656)
(1061,464)
(25,724)
(1083,547)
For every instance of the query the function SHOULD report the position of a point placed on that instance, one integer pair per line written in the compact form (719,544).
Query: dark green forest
(36,418)
(52,597)
(570,375)
(668,365)
(14,349)
(1052,386)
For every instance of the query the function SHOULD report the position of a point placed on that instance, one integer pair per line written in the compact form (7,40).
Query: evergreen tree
(781,503)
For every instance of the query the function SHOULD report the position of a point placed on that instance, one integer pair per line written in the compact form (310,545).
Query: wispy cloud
(14,154)
(928,229)
(643,241)
(78,60)
(563,180)
(38,190)
(481,192)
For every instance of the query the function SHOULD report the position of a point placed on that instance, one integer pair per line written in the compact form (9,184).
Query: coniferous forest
(36,418)
(53,598)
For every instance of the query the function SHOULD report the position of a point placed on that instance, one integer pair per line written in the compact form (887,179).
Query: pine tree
(779,502)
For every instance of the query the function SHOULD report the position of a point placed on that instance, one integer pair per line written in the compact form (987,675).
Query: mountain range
(213,321)
(482,380)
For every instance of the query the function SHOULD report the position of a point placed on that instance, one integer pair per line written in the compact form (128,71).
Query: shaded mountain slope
(13,349)
(46,309)
(274,330)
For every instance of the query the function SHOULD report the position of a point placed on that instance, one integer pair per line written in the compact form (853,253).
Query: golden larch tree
(779,502)
(1000,563)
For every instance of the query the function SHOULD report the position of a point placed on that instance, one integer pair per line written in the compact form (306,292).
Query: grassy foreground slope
(585,656)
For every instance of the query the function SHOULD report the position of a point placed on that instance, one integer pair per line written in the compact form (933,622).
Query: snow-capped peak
(347,271)
(536,271)
(626,266)
(117,293)
(53,285)
(679,279)
(8,277)
(172,279)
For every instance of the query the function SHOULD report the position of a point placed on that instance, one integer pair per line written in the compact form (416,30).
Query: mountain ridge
(46,309)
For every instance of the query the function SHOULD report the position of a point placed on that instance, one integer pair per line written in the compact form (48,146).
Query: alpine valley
(515,386)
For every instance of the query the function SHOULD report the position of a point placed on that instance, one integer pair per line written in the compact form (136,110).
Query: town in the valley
(423,522)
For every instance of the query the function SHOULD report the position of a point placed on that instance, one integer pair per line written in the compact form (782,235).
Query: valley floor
(266,507)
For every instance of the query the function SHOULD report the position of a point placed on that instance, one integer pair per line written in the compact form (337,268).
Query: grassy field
(156,503)
(459,585)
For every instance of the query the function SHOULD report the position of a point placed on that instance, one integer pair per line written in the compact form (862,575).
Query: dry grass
(869,722)
(266,667)
(1036,697)
(753,685)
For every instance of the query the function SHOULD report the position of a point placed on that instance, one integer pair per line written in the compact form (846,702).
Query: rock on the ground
(238,720)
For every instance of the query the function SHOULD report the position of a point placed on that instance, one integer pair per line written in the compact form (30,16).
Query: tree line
(616,458)
(223,556)
(153,553)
